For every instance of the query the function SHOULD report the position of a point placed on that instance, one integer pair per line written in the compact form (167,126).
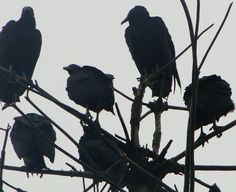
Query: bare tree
(135,168)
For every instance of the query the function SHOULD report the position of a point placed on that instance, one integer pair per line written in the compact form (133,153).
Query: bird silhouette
(213,101)
(20,45)
(100,151)
(90,88)
(152,49)
(29,144)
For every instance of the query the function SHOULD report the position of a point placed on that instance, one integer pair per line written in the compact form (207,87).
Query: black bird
(102,153)
(29,144)
(90,88)
(213,101)
(151,48)
(20,45)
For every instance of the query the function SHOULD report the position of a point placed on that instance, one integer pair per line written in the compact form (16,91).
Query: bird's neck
(138,22)
(28,22)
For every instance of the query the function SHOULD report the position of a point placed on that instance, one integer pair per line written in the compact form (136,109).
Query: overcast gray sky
(89,32)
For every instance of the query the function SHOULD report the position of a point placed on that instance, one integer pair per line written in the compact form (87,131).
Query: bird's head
(27,12)
(72,68)
(138,13)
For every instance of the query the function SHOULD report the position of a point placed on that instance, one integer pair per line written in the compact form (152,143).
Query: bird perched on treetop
(213,101)
(151,48)
(20,45)
(29,144)
(90,88)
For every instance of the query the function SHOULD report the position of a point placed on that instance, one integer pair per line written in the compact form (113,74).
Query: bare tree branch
(53,122)
(136,111)
(215,37)
(189,160)
(15,188)
(86,174)
(2,160)
(215,167)
(122,123)
(207,138)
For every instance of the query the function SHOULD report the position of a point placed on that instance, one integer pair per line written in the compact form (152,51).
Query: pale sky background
(89,32)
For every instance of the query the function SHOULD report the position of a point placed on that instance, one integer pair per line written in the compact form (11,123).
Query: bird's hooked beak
(125,20)
(65,68)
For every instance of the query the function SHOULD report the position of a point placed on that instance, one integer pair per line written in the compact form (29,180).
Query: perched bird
(29,144)
(151,48)
(20,45)
(90,88)
(96,152)
(213,101)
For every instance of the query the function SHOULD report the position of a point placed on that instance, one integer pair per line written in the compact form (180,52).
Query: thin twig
(2,129)
(104,186)
(215,167)
(122,123)
(145,115)
(202,183)
(2,159)
(164,151)
(124,95)
(90,187)
(71,166)
(215,37)
(83,181)
(15,188)
(168,107)
(182,52)
(177,108)
(53,122)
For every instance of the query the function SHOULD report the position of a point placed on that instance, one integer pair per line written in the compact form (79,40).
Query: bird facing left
(152,50)
(20,46)
(90,88)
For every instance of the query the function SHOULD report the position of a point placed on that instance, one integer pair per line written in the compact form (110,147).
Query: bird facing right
(151,48)
(213,101)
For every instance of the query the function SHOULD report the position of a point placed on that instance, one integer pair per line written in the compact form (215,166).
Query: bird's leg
(96,120)
(27,170)
(30,171)
(88,114)
(216,128)
(202,136)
